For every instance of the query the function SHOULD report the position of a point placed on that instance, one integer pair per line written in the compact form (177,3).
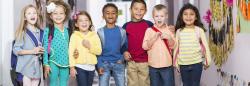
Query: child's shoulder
(149,23)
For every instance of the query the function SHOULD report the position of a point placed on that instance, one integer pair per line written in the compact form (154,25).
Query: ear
(103,16)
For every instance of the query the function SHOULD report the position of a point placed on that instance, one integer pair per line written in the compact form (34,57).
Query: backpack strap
(41,36)
(33,38)
(164,40)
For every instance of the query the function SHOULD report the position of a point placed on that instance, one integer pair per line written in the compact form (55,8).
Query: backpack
(17,78)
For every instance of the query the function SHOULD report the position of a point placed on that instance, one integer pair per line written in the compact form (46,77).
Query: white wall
(7,25)
(238,61)
(94,7)
(1,45)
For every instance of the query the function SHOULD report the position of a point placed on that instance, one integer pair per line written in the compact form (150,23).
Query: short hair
(138,1)
(110,5)
(160,7)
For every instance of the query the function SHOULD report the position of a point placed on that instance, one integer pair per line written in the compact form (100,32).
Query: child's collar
(137,21)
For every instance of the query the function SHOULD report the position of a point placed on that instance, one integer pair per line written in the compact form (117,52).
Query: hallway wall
(7,31)
(238,61)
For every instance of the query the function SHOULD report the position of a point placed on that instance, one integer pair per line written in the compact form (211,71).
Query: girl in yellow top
(190,38)
(88,45)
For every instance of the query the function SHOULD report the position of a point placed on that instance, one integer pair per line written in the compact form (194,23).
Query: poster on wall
(221,32)
(243,16)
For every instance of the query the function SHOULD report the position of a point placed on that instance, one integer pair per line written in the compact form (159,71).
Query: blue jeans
(84,77)
(117,70)
(191,74)
(161,76)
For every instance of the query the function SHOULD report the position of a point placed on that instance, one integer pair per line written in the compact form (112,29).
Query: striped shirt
(189,48)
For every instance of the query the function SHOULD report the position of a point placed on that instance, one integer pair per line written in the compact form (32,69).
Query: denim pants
(191,74)
(117,70)
(161,76)
(84,77)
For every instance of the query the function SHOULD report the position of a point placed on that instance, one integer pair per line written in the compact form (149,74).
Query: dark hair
(77,16)
(109,5)
(50,23)
(138,1)
(180,23)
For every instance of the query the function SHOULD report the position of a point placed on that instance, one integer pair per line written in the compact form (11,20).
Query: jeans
(161,76)
(191,74)
(84,77)
(117,70)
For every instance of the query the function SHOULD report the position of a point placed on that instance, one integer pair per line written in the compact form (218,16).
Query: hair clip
(51,7)
(74,17)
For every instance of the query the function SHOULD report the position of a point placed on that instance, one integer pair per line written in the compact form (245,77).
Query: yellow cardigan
(86,56)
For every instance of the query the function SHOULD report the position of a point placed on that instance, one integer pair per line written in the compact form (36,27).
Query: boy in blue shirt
(113,39)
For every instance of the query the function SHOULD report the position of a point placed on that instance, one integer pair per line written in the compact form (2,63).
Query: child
(159,41)
(88,45)
(56,40)
(28,47)
(113,39)
(191,41)
(138,74)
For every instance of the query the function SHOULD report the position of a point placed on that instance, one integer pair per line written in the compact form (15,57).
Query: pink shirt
(158,54)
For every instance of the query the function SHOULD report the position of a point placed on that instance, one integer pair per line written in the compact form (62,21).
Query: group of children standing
(150,52)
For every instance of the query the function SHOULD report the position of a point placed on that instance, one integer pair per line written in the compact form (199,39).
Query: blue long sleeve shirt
(113,45)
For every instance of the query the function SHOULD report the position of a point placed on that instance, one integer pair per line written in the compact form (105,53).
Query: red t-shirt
(135,33)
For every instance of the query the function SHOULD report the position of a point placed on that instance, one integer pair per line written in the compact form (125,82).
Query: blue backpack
(17,78)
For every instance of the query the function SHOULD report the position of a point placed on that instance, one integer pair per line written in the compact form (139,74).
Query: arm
(95,43)
(45,45)
(72,47)
(172,40)
(18,48)
(205,43)
(149,39)
(176,47)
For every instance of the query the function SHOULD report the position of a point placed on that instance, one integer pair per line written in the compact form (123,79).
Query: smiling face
(31,15)
(189,17)
(160,16)
(58,16)
(83,23)
(138,10)
(110,15)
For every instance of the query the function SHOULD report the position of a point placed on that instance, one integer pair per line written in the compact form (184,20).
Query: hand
(38,50)
(165,36)
(100,71)
(156,36)
(76,54)
(127,56)
(73,72)
(205,66)
(46,71)
(172,28)
(177,68)
(86,43)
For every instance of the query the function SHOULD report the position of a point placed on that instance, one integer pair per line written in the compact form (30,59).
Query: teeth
(32,19)
(159,21)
